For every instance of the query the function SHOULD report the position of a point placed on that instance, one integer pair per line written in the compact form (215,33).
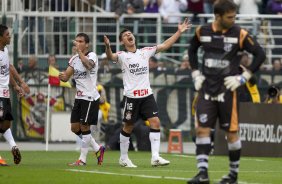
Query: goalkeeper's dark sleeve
(252,46)
(193,50)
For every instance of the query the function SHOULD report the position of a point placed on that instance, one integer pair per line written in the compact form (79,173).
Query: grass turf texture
(51,167)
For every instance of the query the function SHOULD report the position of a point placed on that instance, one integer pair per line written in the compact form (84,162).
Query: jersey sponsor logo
(233,40)
(216,63)
(136,69)
(79,74)
(140,92)
(205,38)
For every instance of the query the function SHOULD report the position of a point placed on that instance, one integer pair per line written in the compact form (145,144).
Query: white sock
(9,138)
(94,144)
(78,141)
(84,147)
(124,145)
(155,144)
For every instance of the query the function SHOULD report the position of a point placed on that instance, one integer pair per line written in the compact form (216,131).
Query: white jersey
(135,69)
(85,79)
(4,73)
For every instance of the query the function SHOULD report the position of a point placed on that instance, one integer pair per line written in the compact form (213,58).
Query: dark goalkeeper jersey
(221,54)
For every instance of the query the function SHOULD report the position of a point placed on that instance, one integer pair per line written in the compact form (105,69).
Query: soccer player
(221,41)
(8,75)
(139,99)
(84,68)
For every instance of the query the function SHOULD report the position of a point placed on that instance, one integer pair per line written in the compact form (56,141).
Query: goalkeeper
(217,83)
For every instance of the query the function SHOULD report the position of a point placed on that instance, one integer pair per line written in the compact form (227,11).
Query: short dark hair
(3,28)
(120,34)
(86,37)
(223,6)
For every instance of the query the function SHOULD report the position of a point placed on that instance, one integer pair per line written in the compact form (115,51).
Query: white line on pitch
(135,175)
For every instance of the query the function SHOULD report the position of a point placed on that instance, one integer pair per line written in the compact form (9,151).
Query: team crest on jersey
(203,118)
(227,47)
(128,115)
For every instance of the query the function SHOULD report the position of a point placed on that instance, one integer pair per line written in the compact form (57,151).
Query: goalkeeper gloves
(233,82)
(198,79)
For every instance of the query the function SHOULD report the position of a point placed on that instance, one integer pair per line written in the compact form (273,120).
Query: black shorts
(7,110)
(85,112)
(135,108)
(207,112)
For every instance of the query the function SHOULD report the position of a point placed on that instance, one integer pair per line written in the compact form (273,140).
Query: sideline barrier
(260,131)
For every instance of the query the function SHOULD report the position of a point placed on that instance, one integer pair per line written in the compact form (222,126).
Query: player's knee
(5,126)
(232,137)
(75,129)
(154,123)
(203,132)
(128,127)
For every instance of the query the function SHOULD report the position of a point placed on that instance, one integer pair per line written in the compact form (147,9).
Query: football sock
(203,147)
(9,138)
(94,144)
(124,144)
(155,137)
(234,157)
(86,138)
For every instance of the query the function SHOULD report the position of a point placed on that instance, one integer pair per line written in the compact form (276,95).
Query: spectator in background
(52,61)
(183,73)
(274,6)
(196,7)
(20,65)
(277,66)
(151,6)
(60,26)
(208,6)
(32,74)
(248,7)
(171,7)
(127,6)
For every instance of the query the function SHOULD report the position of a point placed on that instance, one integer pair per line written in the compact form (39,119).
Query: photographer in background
(273,95)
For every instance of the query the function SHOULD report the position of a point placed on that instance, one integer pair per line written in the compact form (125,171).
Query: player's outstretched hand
(184,26)
(106,41)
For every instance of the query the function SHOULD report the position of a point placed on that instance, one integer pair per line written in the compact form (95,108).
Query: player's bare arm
(16,87)
(170,41)
(110,55)
(65,75)
(17,78)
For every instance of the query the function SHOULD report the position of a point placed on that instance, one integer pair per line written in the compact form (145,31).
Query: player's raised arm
(170,41)
(110,55)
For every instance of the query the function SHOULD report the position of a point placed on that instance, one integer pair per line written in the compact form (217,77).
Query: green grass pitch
(51,167)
